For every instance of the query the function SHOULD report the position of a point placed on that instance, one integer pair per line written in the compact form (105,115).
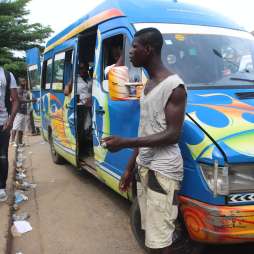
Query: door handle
(100,110)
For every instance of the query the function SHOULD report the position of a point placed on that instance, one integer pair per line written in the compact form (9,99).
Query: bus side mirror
(119,85)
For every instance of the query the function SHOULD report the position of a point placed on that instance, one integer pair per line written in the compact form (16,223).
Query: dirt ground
(72,212)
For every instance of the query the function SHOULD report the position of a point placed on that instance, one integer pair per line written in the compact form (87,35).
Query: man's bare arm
(14,109)
(68,88)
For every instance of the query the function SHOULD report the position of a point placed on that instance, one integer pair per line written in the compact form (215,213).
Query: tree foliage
(18,35)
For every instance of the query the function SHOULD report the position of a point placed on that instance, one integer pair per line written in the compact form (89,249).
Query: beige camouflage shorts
(157,201)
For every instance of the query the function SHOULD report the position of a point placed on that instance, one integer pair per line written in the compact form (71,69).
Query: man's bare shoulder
(178,94)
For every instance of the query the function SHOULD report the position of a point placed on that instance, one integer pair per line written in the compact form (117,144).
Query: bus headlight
(216,178)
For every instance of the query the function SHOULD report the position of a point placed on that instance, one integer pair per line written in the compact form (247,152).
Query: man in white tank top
(160,166)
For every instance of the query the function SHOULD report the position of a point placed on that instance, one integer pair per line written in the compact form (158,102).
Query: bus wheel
(182,243)
(139,233)
(57,159)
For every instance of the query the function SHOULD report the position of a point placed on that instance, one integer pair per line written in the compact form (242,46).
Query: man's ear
(148,49)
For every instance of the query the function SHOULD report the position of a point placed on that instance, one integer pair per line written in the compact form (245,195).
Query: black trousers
(4,144)
(31,122)
(81,113)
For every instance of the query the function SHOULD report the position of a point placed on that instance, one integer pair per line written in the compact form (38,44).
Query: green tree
(18,35)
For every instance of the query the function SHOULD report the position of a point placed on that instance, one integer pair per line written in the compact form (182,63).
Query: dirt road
(74,213)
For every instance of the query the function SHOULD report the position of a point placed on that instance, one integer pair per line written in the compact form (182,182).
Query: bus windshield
(220,58)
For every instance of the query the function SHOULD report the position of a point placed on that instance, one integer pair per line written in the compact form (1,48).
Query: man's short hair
(83,64)
(151,36)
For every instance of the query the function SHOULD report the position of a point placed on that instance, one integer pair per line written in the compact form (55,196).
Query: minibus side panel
(45,95)
(111,117)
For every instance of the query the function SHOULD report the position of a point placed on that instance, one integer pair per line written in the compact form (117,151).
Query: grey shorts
(157,201)
(19,123)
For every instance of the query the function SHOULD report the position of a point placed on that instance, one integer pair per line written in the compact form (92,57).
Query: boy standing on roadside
(19,124)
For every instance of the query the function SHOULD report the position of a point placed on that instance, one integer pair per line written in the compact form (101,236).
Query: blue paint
(159,11)
(33,57)
(126,118)
(194,186)
(215,119)
(249,117)
(188,128)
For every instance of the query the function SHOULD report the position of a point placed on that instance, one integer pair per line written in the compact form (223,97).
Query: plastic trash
(19,164)
(20,197)
(20,169)
(21,157)
(21,227)
(20,149)
(21,216)
(20,176)
(15,207)
(25,185)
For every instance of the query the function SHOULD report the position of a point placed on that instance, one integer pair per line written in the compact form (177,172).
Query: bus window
(47,74)
(68,66)
(34,77)
(112,54)
(135,74)
(58,71)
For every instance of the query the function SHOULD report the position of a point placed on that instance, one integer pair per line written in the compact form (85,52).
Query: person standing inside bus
(9,104)
(156,153)
(84,92)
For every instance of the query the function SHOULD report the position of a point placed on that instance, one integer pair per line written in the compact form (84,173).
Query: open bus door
(62,108)
(34,72)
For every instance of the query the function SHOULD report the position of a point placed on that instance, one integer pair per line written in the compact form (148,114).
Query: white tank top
(166,159)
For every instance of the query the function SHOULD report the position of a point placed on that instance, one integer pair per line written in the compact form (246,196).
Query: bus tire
(182,245)
(57,159)
(135,219)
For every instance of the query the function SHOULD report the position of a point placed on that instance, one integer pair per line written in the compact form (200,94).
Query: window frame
(102,63)
(56,55)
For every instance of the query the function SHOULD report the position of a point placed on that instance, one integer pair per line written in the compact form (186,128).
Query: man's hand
(127,177)
(113,143)
(8,124)
(88,102)
(125,181)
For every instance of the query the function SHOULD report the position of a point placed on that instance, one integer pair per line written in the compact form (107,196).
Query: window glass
(209,59)
(34,77)
(112,54)
(47,74)
(68,66)
(134,73)
(58,71)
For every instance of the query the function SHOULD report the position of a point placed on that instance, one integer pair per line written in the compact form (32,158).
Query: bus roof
(144,11)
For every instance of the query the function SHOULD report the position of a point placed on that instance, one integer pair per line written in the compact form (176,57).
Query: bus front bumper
(218,224)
